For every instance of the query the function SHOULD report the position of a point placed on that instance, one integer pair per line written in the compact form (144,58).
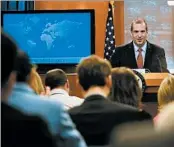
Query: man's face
(139,34)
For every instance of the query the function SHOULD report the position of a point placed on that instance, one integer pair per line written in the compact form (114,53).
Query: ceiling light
(170,3)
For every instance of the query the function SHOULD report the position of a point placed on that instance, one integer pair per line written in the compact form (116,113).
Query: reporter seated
(126,90)
(165,94)
(97,115)
(58,83)
(18,129)
(26,100)
(141,135)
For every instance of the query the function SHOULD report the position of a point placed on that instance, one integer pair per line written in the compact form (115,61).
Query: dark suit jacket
(19,130)
(97,116)
(155,59)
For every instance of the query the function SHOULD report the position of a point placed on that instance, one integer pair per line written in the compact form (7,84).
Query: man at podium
(140,53)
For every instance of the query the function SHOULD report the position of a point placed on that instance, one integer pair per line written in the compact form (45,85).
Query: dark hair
(138,21)
(125,88)
(23,66)
(92,71)
(55,78)
(8,57)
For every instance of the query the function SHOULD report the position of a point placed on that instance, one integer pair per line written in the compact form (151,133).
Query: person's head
(139,31)
(125,88)
(166,91)
(56,78)
(35,81)
(23,67)
(165,120)
(8,58)
(94,71)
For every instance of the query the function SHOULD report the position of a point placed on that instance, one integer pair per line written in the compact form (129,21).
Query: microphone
(147,70)
(158,59)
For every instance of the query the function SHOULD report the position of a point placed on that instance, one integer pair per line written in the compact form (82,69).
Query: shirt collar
(22,86)
(95,93)
(144,47)
(59,91)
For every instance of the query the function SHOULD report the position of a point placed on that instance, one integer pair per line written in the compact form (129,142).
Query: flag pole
(109,48)
(113,6)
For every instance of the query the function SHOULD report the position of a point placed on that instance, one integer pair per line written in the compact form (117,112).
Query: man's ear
(130,32)
(81,90)
(6,91)
(109,81)
(12,80)
(148,34)
(78,83)
(67,85)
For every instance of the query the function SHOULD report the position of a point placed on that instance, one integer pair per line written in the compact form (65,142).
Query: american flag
(109,36)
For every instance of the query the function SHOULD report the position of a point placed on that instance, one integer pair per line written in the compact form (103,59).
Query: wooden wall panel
(119,22)
(75,88)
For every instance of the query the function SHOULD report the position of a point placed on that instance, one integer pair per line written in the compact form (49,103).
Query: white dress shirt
(63,97)
(144,48)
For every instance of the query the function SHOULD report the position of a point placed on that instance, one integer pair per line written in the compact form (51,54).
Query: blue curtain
(17,5)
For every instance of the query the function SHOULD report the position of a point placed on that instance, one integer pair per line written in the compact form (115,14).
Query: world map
(61,30)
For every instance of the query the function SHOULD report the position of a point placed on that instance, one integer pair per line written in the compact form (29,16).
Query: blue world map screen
(51,37)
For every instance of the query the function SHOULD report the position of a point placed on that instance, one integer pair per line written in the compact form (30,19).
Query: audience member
(165,93)
(97,116)
(25,99)
(141,135)
(18,130)
(125,88)
(35,82)
(57,80)
(165,122)
(8,74)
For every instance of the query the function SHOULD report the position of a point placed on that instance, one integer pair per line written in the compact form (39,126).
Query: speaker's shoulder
(155,47)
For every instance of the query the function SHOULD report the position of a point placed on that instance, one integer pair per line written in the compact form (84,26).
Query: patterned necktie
(140,59)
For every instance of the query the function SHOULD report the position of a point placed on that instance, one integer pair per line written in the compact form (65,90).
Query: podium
(153,81)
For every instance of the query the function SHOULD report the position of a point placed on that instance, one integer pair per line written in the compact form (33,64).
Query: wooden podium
(153,81)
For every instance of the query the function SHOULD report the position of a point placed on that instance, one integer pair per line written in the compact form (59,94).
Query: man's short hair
(138,21)
(8,57)
(55,78)
(23,66)
(92,71)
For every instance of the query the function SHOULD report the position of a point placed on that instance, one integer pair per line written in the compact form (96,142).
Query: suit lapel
(148,56)
(131,53)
